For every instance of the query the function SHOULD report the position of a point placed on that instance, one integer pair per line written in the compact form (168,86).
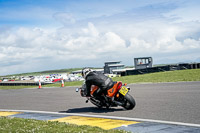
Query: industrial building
(111,67)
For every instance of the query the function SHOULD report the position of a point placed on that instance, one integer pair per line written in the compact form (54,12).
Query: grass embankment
(169,76)
(19,125)
(15,87)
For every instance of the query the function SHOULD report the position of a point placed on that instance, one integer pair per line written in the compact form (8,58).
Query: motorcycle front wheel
(129,102)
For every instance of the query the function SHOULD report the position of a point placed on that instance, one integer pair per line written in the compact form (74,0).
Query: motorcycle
(116,96)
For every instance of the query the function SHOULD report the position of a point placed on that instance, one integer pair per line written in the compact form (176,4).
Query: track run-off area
(159,106)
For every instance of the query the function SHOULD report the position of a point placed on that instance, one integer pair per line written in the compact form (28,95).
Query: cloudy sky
(37,35)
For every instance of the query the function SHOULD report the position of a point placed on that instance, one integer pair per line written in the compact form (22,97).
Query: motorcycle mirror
(77,89)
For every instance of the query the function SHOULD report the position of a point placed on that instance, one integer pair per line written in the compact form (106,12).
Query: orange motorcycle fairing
(93,89)
(112,91)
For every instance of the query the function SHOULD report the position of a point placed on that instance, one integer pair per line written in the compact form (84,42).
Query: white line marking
(108,117)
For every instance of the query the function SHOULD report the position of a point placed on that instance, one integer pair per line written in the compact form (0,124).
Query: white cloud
(25,44)
(45,47)
(174,35)
(92,30)
(191,43)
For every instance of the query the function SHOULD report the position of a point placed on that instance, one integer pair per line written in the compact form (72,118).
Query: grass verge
(19,125)
(15,87)
(168,76)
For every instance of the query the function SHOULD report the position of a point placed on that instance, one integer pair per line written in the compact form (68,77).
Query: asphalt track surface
(176,102)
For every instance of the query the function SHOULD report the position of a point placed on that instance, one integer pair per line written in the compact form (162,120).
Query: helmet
(86,71)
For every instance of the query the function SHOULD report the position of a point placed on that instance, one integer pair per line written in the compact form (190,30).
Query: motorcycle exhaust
(95,102)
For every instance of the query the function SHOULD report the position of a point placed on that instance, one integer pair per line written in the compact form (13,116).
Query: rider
(99,79)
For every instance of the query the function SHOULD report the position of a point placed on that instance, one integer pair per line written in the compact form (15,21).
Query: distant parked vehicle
(25,78)
(4,80)
(56,80)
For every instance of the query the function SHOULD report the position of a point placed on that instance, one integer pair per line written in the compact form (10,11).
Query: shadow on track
(92,110)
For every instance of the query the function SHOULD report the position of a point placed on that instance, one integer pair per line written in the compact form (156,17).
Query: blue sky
(37,35)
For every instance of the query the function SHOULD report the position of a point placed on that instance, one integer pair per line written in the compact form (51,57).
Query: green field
(19,125)
(168,76)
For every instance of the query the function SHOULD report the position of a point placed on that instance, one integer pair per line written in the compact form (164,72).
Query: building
(112,67)
(143,62)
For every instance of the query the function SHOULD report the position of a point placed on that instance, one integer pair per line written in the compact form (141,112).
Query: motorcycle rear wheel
(130,102)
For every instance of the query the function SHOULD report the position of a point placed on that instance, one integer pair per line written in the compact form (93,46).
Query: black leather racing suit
(100,80)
